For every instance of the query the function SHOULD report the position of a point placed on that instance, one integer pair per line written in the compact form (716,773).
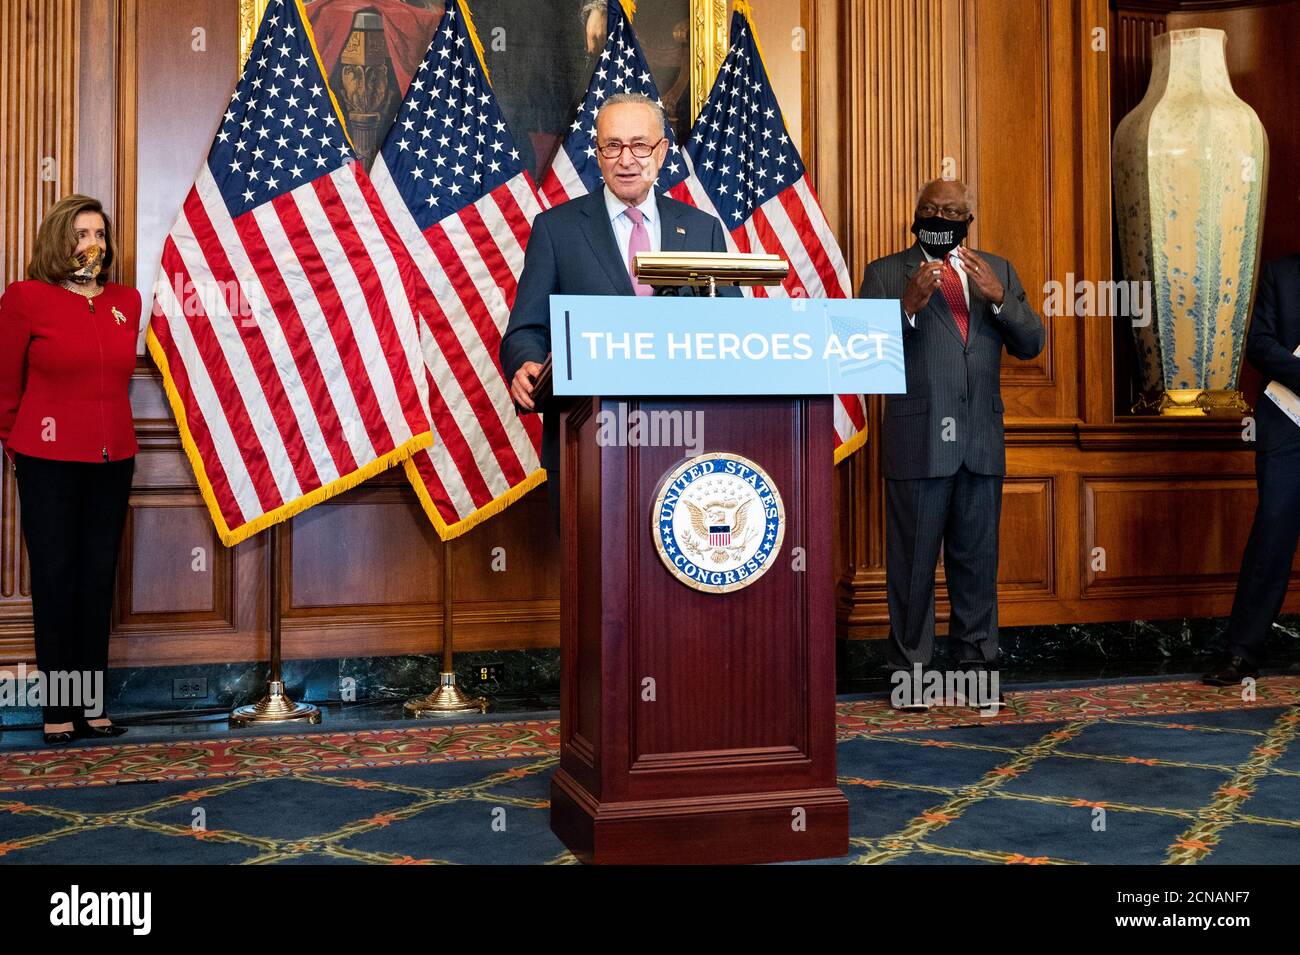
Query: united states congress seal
(717,522)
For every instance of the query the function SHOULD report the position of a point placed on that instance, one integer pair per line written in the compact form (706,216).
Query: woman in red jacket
(67,350)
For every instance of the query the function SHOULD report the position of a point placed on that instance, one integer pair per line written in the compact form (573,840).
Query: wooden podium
(696,726)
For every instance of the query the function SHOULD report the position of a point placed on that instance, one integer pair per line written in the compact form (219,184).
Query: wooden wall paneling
(775,25)
(1131,34)
(40,50)
(1022,185)
(363,576)
(98,85)
(807,91)
(169,611)
(500,557)
(1093,219)
(520,605)
(38,91)
(1163,530)
(161,574)
(887,105)
(129,56)
(173,142)
(330,547)
(1043,196)
(1027,533)
(175,64)
(1172,511)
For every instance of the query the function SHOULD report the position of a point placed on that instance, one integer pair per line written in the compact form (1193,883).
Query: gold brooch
(118,316)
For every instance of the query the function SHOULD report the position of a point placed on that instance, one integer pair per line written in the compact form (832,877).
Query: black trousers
(72,516)
(961,513)
(1270,549)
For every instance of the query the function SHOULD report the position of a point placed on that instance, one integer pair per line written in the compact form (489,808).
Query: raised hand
(981,273)
(921,286)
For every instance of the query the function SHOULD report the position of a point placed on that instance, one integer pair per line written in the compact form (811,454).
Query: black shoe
(1230,672)
(60,739)
(111,731)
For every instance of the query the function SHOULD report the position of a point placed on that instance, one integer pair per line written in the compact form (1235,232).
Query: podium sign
(697,698)
(726,346)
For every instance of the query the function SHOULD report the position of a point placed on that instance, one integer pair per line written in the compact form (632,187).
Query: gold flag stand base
(1193,403)
(447,700)
(275,707)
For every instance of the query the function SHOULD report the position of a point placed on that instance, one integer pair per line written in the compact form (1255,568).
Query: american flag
(451,179)
(745,170)
(622,68)
(281,327)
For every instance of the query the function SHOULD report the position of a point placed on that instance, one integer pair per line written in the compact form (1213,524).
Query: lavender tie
(640,242)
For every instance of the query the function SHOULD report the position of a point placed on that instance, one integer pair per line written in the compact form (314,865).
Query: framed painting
(540,55)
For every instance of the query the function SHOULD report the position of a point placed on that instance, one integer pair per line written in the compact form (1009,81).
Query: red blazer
(65,372)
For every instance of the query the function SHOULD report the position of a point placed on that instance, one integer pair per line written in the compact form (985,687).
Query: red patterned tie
(950,284)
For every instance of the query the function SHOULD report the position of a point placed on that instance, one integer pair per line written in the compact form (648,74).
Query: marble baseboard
(1136,646)
(530,679)
(526,679)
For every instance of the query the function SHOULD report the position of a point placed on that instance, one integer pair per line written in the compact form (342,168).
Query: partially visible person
(1266,566)
(67,351)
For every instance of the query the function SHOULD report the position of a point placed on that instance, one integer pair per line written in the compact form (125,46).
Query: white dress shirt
(960,268)
(623,225)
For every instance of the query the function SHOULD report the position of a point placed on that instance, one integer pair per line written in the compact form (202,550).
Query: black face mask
(939,236)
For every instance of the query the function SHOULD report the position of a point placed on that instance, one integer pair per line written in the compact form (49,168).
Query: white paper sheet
(1285,398)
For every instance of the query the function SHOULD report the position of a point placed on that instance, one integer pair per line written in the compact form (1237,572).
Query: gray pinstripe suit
(944,459)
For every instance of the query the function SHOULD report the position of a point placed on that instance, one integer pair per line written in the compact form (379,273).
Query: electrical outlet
(489,674)
(190,688)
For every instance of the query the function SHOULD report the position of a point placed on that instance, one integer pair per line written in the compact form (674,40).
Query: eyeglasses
(639,150)
(929,209)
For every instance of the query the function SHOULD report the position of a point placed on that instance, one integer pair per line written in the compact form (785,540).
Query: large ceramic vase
(1190,167)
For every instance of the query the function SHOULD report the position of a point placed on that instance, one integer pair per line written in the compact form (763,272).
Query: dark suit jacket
(1270,346)
(949,379)
(573,251)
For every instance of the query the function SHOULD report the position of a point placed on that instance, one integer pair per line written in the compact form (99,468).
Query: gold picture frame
(709,34)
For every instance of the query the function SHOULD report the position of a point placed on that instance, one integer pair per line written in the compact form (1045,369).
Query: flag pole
(448,699)
(276,706)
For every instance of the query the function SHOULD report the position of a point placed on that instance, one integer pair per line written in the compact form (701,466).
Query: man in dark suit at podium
(942,441)
(1270,550)
(586,247)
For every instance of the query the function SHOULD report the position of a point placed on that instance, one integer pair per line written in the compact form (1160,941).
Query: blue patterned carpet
(1208,787)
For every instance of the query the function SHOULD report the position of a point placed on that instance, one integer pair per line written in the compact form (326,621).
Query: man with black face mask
(942,441)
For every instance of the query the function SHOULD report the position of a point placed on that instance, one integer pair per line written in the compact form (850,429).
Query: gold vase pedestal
(1193,403)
